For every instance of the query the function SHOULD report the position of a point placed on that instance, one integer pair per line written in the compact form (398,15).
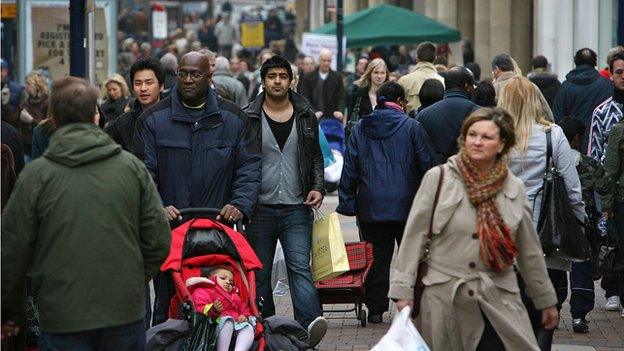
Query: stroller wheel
(362,317)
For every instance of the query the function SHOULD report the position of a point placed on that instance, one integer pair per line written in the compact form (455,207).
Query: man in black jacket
(292,183)
(545,80)
(582,91)
(444,119)
(148,81)
(324,89)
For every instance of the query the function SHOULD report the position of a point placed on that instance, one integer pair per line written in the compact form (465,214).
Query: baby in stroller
(216,295)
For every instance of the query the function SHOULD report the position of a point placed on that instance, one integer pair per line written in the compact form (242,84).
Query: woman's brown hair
(498,116)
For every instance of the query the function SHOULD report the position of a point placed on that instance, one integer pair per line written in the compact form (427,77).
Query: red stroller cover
(174,261)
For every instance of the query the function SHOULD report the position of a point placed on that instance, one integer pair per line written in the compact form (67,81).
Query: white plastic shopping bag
(402,335)
(334,171)
(279,276)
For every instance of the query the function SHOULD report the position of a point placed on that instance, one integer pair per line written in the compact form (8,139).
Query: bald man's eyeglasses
(195,75)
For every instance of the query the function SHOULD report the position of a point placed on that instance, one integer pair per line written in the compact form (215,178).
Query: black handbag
(609,260)
(203,334)
(560,232)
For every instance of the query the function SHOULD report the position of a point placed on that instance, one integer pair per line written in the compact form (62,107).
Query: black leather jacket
(310,155)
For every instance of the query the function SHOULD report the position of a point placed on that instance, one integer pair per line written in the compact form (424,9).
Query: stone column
(482,36)
(521,33)
(500,27)
(431,9)
(350,7)
(303,19)
(447,12)
(466,19)
(317,13)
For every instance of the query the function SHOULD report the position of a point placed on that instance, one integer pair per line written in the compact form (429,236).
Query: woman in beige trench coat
(482,227)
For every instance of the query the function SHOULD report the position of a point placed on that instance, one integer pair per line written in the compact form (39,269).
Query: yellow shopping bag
(329,255)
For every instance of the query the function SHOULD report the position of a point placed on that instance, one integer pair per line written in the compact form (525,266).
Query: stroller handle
(208,212)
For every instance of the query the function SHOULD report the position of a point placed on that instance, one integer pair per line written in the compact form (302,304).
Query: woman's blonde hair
(38,82)
(365,80)
(521,99)
(117,78)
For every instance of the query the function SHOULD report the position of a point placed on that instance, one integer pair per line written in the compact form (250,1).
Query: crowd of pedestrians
(446,165)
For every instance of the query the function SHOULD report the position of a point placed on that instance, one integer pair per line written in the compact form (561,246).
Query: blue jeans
(292,225)
(127,337)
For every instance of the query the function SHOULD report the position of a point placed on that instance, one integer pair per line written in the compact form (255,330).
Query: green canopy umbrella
(390,25)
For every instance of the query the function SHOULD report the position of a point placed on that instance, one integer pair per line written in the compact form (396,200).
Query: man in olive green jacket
(85,220)
(614,170)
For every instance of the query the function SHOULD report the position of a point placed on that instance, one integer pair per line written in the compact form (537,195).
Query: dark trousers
(148,307)
(582,287)
(164,290)
(382,235)
(559,280)
(614,284)
(490,341)
(128,337)
(292,225)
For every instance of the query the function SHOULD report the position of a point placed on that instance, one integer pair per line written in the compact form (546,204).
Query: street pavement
(606,329)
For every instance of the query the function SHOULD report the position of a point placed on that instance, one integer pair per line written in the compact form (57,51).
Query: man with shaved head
(324,89)
(199,153)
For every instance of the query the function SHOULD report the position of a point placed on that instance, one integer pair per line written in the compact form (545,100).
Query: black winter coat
(333,92)
(203,158)
(443,121)
(548,84)
(582,91)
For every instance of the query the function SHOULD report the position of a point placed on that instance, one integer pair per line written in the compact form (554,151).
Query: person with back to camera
(387,155)
(527,161)
(481,225)
(216,295)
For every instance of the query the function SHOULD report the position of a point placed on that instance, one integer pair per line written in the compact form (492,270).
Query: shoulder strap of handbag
(549,149)
(355,115)
(435,204)
(546,170)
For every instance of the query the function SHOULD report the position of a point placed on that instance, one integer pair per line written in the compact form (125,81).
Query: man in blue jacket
(444,119)
(199,154)
(583,90)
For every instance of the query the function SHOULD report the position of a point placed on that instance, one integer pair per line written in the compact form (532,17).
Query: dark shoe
(375,318)
(580,325)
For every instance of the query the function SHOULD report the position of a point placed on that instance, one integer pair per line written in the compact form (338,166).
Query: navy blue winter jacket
(443,120)
(386,157)
(583,90)
(200,158)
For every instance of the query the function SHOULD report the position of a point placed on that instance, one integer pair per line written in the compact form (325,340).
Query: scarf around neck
(496,247)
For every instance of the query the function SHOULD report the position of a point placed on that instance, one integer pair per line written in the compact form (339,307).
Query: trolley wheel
(362,317)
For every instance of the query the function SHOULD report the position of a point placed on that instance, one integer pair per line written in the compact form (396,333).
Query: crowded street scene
(253,175)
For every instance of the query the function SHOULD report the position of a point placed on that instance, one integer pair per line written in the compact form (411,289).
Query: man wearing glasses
(199,153)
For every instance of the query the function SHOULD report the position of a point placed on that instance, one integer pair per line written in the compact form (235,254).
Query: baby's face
(225,279)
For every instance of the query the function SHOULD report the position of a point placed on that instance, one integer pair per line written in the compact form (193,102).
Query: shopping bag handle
(318,214)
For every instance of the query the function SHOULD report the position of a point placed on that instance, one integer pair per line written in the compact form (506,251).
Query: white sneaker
(613,304)
(622,313)
(316,331)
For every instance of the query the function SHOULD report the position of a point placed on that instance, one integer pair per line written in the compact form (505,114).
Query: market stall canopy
(390,25)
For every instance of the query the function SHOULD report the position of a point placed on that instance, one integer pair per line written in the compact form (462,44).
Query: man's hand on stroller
(218,306)
(172,213)
(241,319)
(230,214)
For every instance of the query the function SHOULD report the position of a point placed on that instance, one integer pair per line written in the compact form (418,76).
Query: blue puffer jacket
(202,158)
(583,90)
(386,157)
